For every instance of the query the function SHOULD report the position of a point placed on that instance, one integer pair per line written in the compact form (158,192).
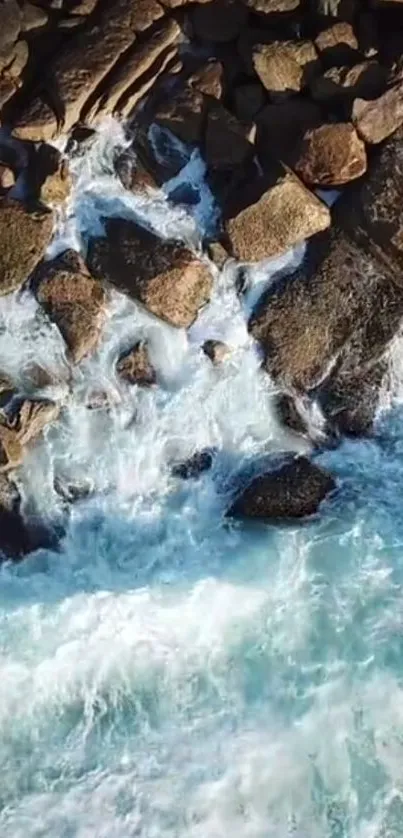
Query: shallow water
(170,675)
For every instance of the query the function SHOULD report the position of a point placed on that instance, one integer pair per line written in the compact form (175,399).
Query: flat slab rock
(164,276)
(24,238)
(73,300)
(294,490)
(278,212)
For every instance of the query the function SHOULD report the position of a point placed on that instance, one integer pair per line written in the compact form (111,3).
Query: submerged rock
(216,350)
(166,277)
(24,238)
(73,300)
(293,490)
(135,366)
(198,463)
(18,536)
(27,418)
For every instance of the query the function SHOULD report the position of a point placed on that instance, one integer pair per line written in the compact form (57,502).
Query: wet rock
(331,155)
(286,409)
(274,214)
(377,119)
(285,67)
(135,366)
(19,60)
(350,398)
(184,115)
(72,491)
(197,464)
(84,7)
(226,144)
(218,254)
(344,84)
(164,276)
(11,450)
(7,389)
(249,100)
(217,351)
(73,300)
(208,79)
(371,213)
(220,21)
(325,313)
(19,537)
(27,418)
(340,9)
(25,236)
(293,490)
(337,44)
(133,174)
(282,125)
(48,178)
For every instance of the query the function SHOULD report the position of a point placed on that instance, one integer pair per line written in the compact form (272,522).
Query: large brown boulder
(328,328)
(371,212)
(164,276)
(273,213)
(184,115)
(331,155)
(73,300)
(24,238)
(377,119)
(294,489)
(285,67)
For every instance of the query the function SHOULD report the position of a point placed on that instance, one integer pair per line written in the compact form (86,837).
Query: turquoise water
(170,675)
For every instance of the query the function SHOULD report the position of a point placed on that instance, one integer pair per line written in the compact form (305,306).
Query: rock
(18,62)
(208,79)
(33,17)
(167,63)
(217,351)
(7,177)
(269,7)
(344,84)
(226,144)
(11,451)
(17,536)
(7,389)
(72,492)
(10,26)
(200,462)
(133,175)
(73,300)
(293,490)
(327,312)
(84,7)
(48,177)
(27,418)
(249,99)
(371,213)
(168,280)
(36,122)
(25,237)
(276,213)
(286,410)
(220,21)
(350,398)
(331,155)
(337,44)
(135,366)
(285,67)
(218,254)
(377,119)
(281,127)
(184,115)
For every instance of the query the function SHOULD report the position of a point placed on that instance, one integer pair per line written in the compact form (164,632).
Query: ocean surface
(169,674)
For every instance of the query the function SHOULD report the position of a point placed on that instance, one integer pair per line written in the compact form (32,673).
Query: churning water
(167,674)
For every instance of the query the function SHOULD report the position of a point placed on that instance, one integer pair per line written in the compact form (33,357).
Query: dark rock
(72,491)
(209,79)
(226,143)
(162,275)
(184,115)
(219,21)
(33,17)
(73,300)
(48,178)
(135,366)
(133,175)
(281,127)
(286,409)
(337,44)
(10,25)
(331,155)
(249,100)
(268,7)
(216,350)
(200,462)
(294,490)
(344,84)
(25,236)
(285,67)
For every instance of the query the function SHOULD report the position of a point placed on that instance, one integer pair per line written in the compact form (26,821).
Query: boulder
(209,79)
(27,418)
(344,84)
(288,414)
(272,214)
(10,27)
(164,276)
(197,464)
(249,100)
(226,143)
(48,177)
(133,174)
(11,450)
(331,155)
(33,17)
(135,367)
(337,44)
(216,351)
(377,119)
(285,67)
(282,125)
(339,310)
(371,212)
(73,300)
(220,21)
(25,236)
(184,115)
(340,9)
(295,489)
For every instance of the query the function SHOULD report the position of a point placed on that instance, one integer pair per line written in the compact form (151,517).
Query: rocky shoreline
(286,101)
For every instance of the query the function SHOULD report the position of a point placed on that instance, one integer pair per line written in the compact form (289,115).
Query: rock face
(73,300)
(331,155)
(294,490)
(275,218)
(164,276)
(135,366)
(25,236)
